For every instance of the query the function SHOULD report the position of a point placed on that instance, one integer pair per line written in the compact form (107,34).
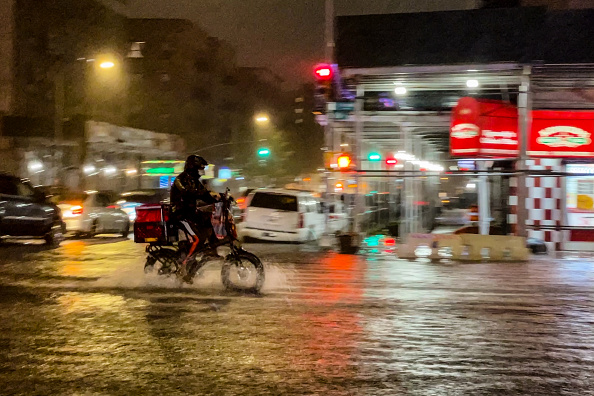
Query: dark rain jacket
(187,193)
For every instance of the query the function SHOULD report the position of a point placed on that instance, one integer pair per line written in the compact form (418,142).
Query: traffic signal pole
(359,192)
(328,128)
(524,109)
(329,36)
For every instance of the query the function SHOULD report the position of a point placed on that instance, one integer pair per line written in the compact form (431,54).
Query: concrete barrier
(493,248)
(410,249)
(448,246)
(464,247)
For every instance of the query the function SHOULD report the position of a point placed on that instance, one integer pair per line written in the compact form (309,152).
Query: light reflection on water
(328,324)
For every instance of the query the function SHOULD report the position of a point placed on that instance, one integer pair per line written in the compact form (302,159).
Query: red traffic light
(323,72)
(391,161)
(344,161)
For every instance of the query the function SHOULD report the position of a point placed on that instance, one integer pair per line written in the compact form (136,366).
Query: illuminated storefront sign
(484,127)
(464,128)
(579,169)
(489,128)
(499,129)
(561,134)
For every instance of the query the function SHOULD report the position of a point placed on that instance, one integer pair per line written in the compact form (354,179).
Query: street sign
(345,106)
(225,173)
(341,110)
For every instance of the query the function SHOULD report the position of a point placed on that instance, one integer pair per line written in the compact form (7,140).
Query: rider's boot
(211,249)
(211,252)
(183,268)
(182,272)
(188,279)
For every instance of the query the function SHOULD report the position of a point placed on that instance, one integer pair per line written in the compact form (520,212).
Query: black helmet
(195,163)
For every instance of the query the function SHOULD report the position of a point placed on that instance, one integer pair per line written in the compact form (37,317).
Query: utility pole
(59,100)
(59,103)
(329,37)
(524,109)
(328,128)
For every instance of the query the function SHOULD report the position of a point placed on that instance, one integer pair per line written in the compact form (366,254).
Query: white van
(282,215)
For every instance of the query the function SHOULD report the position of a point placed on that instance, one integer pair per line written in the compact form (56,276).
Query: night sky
(285,35)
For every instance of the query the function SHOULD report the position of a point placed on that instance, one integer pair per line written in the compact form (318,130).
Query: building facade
(512,56)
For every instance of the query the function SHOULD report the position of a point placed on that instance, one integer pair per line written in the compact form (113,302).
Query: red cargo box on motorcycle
(152,224)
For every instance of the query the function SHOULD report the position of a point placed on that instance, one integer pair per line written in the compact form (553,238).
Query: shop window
(580,195)
(585,186)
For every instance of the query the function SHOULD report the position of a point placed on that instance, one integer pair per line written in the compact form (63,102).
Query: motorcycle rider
(188,193)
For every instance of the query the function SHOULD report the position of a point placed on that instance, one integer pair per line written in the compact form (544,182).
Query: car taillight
(301,221)
(113,207)
(241,203)
(76,210)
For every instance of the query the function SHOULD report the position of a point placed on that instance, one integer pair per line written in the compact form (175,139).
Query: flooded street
(84,319)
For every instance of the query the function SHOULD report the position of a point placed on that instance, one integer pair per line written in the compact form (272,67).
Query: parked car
(26,211)
(282,215)
(93,213)
(453,217)
(130,200)
(338,220)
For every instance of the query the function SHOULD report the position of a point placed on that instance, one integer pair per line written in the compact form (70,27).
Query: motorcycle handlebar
(222,198)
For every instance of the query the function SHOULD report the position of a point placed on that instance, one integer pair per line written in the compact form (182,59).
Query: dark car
(26,212)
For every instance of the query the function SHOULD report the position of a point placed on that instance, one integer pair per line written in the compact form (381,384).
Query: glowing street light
(472,83)
(88,169)
(106,65)
(35,166)
(110,170)
(262,119)
(400,91)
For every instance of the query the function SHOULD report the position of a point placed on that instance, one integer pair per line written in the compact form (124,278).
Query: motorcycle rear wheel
(149,265)
(165,260)
(243,272)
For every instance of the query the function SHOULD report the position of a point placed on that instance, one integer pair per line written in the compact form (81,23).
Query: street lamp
(106,65)
(262,119)
(60,94)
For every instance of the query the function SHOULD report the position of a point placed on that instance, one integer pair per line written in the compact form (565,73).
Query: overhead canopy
(521,34)
(432,91)
(434,55)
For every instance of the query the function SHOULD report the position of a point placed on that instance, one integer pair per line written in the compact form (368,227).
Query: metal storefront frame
(425,133)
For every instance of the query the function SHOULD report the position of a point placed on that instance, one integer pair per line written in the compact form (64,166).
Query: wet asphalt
(84,319)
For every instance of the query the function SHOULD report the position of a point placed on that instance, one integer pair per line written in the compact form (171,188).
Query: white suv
(282,215)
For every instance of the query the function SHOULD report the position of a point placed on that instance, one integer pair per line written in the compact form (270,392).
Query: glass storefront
(580,195)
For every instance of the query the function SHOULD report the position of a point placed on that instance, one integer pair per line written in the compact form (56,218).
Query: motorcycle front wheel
(243,271)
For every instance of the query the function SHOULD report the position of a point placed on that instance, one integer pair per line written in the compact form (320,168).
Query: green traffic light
(263,152)
(374,157)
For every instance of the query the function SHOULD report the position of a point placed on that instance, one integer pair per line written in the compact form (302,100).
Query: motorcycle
(241,271)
